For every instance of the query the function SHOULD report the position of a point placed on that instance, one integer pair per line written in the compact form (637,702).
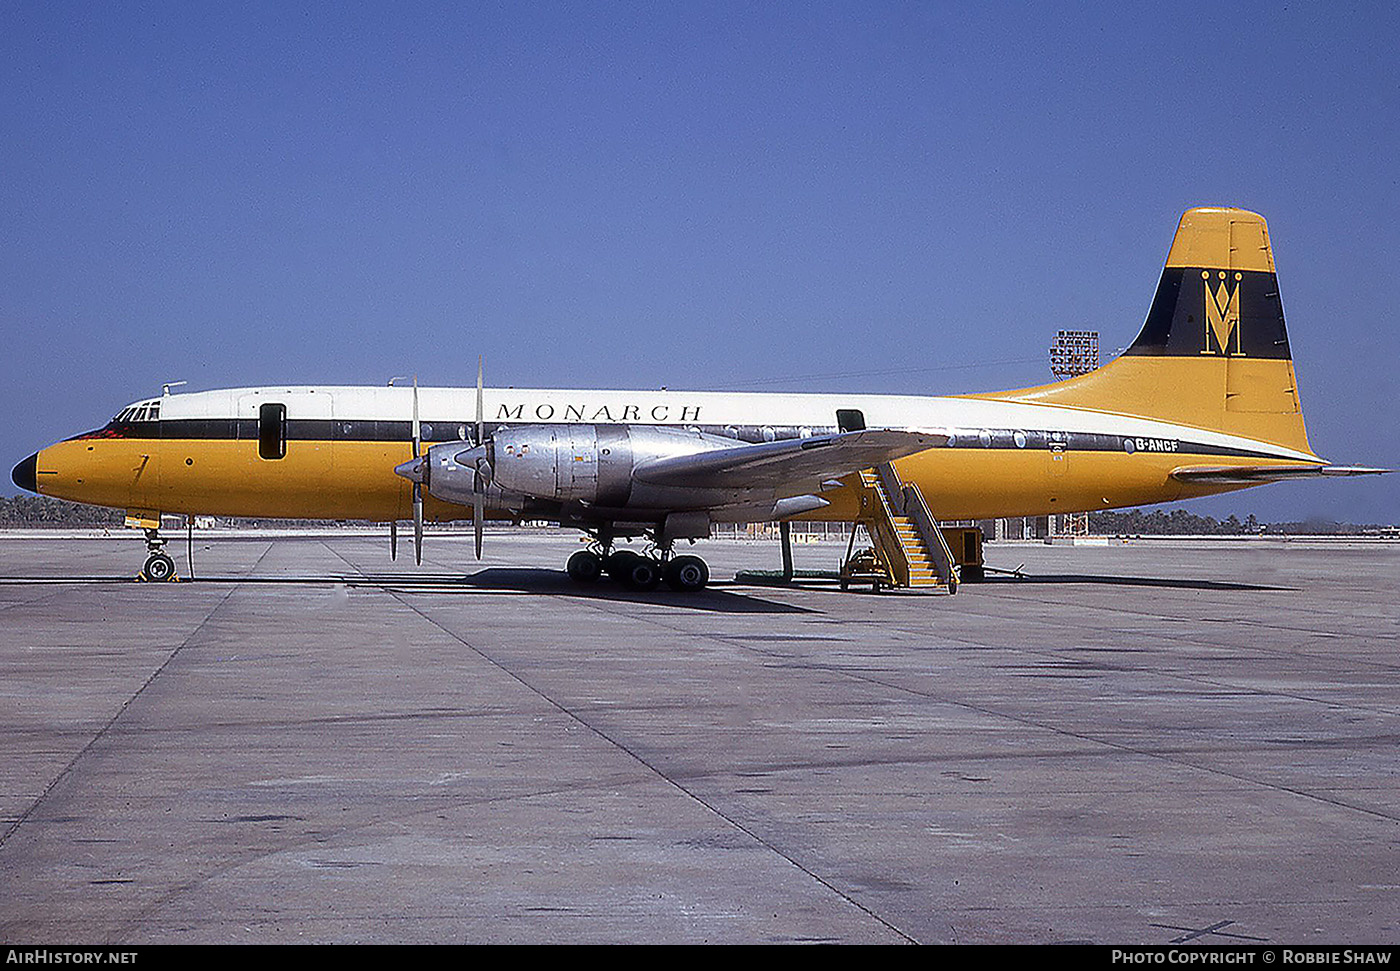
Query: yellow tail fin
(1213,352)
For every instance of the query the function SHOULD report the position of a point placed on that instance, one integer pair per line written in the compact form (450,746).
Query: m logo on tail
(1222,319)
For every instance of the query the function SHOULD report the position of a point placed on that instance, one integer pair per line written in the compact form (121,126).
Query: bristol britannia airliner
(1205,400)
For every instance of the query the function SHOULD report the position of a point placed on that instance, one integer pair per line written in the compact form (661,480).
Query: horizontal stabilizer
(1267,473)
(775,464)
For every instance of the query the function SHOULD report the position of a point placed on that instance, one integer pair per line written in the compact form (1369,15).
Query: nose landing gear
(159,568)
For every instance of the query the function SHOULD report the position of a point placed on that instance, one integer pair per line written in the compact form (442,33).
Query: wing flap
(774,464)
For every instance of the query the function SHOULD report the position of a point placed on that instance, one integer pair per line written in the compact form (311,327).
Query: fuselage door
(284,437)
(850,419)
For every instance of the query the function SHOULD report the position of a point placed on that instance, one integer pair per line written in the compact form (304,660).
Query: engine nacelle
(450,473)
(587,463)
(591,464)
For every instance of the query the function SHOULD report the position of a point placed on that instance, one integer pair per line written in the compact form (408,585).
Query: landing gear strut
(685,574)
(159,567)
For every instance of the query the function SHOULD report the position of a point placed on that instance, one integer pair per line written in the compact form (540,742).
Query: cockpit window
(141,411)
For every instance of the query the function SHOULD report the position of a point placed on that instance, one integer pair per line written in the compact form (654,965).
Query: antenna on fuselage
(165,388)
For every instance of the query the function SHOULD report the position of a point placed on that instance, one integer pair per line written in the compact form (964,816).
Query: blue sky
(882,197)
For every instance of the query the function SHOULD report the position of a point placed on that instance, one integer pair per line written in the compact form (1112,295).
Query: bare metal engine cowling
(591,464)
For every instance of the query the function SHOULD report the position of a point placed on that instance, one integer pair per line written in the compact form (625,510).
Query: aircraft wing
(1267,473)
(774,464)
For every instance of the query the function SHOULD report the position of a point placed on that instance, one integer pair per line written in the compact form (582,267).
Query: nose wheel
(159,567)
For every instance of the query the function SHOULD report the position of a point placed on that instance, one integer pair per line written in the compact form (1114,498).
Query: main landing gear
(159,568)
(684,574)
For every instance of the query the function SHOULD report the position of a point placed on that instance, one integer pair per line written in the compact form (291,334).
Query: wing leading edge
(775,464)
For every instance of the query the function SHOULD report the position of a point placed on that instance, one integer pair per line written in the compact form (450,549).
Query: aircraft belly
(974,484)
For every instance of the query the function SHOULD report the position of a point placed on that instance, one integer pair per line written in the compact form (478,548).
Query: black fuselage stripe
(400,432)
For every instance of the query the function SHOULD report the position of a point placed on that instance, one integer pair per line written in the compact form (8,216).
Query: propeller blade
(480,400)
(417,428)
(417,524)
(393,540)
(418,482)
(478,480)
(478,514)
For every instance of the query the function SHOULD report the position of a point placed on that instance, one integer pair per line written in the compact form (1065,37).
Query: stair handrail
(886,538)
(893,487)
(916,508)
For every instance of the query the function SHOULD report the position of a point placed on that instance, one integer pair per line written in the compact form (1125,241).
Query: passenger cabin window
(272,431)
(850,419)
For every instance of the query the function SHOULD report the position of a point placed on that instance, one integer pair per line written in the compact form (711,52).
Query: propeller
(483,468)
(393,540)
(418,469)
(418,482)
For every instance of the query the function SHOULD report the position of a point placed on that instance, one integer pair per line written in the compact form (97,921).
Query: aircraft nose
(25,474)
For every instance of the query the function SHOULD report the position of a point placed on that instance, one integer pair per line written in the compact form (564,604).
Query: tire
(643,574)
(619,563)
(159,568)
(687,574)
(584,566)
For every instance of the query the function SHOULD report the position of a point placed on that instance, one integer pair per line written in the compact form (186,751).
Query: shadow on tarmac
(537,582)
(556,583)
(1125,581)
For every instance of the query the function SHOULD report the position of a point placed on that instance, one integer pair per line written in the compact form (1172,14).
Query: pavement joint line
(1146,753)
(36,600)
(739,641)
(751,834)
(1181,638)
(1103,608)
(1184,635)
(1197,679)
(137,921)
(101,732)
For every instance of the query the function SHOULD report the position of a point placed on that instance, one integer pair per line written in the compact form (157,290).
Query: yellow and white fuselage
(200,453)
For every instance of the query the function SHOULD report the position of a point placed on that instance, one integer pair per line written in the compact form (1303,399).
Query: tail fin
(1213,352)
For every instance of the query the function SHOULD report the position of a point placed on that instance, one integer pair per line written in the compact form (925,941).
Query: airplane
(1205,400)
